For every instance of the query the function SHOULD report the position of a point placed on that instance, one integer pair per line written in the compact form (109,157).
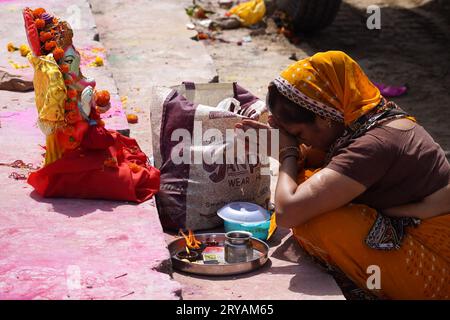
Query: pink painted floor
(68,248)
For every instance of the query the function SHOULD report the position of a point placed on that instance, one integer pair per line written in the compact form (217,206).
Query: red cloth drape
(119,172)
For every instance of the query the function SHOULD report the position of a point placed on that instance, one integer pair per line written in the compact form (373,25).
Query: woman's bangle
(295,151)
(288,156)
(289,153)
(289,148)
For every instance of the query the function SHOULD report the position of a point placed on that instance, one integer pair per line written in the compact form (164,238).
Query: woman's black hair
(285,110)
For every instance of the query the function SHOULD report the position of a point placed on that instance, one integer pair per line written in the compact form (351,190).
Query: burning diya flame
(192,246)
(191,241)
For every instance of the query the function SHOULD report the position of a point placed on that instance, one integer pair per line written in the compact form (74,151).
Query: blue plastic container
(246,216)
(258,230)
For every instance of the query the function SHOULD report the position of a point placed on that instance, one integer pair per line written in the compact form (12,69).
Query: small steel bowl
(191,256)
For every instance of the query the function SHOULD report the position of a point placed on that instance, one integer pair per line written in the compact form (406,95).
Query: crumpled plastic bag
(229,104)
(391,91)
(250,12)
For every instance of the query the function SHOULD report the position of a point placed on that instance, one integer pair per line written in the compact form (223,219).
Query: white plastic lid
(243,212)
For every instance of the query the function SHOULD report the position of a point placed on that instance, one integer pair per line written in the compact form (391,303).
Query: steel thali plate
(261,251)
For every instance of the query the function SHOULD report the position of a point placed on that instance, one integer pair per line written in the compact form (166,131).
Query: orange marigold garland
(58,53)
(70,105)
(40,24)
(50,45)
(72,93)
(45,36)
(64,68)
(38,12)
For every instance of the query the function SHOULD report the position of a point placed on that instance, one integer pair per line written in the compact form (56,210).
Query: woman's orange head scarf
(330,84)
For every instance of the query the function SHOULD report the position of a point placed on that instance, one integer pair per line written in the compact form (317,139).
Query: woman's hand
(248,124)
(285,139)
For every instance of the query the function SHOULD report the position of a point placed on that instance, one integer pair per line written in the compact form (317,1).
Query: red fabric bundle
(98,138)
(119,172)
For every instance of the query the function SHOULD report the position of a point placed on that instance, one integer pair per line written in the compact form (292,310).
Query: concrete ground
(71,249)
(412,32)
(145,52)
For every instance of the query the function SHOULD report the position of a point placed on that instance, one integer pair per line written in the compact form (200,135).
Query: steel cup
(238,247)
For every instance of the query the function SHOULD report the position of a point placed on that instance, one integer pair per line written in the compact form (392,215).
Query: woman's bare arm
(328,190)
(433,205)
(324,191)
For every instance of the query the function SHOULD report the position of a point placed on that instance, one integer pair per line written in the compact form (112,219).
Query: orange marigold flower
(132,118)
(38,12)
(45,36)
(58,53)
(102,98)
(68,82)
(72,93)
(134,167)
(40,24)
(64,68)
(49,45)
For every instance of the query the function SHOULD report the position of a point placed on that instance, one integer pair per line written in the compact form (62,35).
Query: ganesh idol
(83,159)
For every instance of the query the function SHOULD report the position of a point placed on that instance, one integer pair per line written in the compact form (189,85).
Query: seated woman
(378,209)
